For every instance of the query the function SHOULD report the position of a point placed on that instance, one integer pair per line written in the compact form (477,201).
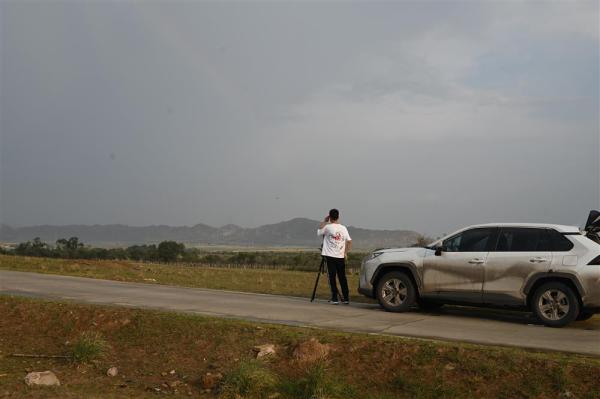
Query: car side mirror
(439,249)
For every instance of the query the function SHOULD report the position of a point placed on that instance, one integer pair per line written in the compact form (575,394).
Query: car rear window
(559,242)
(522,239)
(516,239)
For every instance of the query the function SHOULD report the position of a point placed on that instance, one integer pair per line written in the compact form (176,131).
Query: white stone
(47,378)
(264,350)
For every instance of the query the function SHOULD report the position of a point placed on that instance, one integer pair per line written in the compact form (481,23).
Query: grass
(251,378)
(88,347)
(161,353)
(318,382)
(264,281)
(416,388)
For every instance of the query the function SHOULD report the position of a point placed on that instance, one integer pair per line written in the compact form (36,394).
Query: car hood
(393,250)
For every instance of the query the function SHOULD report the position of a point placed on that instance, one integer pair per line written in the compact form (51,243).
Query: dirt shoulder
(158,353)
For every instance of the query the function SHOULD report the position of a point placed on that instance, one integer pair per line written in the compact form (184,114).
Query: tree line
(72,248)
(175,252)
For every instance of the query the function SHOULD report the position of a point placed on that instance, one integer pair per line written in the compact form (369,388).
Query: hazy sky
(416,115)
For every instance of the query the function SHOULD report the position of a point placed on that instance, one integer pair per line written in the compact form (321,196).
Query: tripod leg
(314,293)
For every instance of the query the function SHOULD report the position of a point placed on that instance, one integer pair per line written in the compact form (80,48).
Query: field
(236,278)
(160,353)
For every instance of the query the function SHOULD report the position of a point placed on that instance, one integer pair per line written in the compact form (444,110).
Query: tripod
(322,270)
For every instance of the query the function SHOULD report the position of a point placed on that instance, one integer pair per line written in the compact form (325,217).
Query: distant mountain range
(297,232)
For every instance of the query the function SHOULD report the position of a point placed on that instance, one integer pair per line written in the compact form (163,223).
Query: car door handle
(476,261)
(538,260)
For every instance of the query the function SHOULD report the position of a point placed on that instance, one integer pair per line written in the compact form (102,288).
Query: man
(336,244)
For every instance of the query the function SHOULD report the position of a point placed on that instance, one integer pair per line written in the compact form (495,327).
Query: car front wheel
(555,304)
(396,292)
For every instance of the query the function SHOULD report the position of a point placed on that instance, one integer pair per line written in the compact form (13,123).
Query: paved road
(459,324)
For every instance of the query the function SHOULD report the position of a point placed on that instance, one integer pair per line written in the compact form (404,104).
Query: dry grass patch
(158,352)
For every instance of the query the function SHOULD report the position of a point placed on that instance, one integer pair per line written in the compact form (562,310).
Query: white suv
(553,270)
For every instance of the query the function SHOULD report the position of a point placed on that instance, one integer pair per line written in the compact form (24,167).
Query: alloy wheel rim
(554,304)
(394,292)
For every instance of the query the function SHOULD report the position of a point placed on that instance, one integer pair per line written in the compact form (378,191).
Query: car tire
(583,315)
(396,292)
(555,304)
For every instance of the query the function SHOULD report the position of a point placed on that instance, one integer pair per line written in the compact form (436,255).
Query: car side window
(558,242)
(474,240)
(521,239)
(452,244)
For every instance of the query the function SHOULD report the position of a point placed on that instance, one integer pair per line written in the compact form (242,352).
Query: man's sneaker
(334,302)
(346,302)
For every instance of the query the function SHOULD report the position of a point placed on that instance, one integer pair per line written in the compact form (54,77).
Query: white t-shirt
(335,236)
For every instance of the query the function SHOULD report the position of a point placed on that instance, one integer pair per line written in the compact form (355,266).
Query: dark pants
(337,266)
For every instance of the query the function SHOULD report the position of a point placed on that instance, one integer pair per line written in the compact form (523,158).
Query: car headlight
(373,255)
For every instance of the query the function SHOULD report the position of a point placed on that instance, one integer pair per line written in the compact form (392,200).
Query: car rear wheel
(555,304)
(396,292)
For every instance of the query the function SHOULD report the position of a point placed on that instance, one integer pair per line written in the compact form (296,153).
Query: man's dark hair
(334,214)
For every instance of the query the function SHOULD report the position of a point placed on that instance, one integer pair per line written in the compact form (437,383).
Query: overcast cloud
(417,115)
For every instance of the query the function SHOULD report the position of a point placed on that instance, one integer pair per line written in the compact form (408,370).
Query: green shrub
(89,346)
(317,383)
(250,379)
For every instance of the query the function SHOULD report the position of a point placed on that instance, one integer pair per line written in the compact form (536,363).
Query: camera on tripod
(322,270)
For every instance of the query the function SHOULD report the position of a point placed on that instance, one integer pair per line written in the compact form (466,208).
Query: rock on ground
(311,351)
(264,350)
(112,372)
(210,380)
(47,378)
